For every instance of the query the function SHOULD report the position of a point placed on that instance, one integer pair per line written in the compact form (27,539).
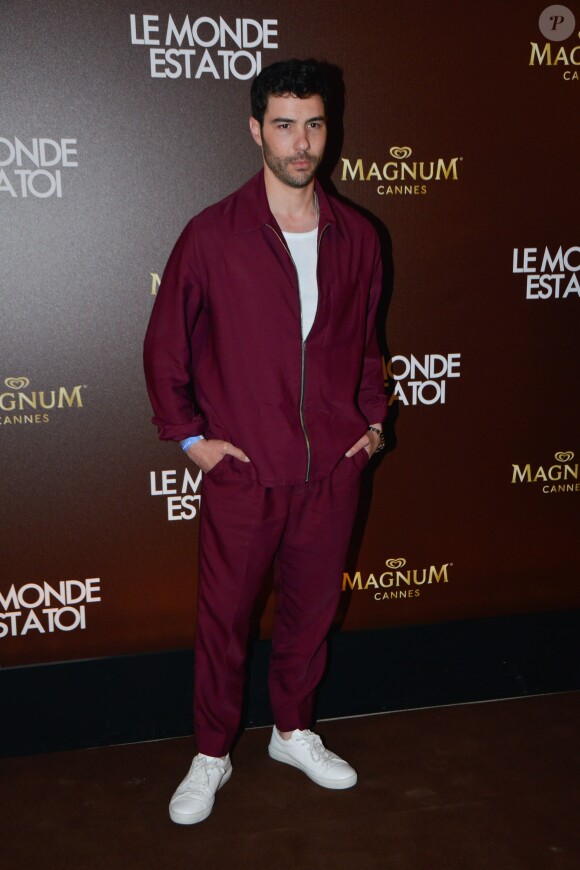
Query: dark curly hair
(301,78)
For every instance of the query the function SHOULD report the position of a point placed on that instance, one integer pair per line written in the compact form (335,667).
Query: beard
(280,166)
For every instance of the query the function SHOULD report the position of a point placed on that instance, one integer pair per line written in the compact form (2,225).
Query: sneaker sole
(349,782)
(194,818)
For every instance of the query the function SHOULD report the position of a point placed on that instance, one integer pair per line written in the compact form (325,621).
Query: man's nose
(302,142)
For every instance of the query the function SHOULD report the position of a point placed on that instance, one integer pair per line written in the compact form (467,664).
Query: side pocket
(361,458)
(218,468)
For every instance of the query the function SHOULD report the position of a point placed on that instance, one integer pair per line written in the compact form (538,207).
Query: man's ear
(256,131)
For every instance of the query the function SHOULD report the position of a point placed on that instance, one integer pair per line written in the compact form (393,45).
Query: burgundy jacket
(224,355)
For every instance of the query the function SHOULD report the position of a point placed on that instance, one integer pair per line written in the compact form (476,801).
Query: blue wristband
(187,442)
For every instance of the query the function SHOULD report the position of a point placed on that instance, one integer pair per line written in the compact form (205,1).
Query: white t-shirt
(303,247)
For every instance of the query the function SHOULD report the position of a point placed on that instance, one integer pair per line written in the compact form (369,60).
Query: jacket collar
(252,211)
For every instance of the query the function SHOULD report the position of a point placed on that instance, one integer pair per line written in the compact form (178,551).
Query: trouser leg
(241,525)
(309,566)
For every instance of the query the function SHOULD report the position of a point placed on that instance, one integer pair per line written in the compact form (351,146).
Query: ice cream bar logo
(397,581)
(554,478)
(557,24)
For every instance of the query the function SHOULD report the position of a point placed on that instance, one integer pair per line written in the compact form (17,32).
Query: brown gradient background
(448,81)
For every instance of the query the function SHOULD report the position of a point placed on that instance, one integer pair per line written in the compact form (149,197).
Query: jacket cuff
(180,431)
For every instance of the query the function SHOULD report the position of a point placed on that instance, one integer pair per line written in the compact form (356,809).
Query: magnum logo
(19,405)
(16,383)
(557,23)
(155,282)
(559,478)
(396,582)
(406,173)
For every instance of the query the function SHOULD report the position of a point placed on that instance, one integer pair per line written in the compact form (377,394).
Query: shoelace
(315,746)
(199,774)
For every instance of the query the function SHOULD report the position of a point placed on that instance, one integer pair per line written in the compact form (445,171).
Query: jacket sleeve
(168,344)
(372,399)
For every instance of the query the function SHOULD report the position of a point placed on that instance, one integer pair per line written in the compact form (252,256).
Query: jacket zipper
(303,353)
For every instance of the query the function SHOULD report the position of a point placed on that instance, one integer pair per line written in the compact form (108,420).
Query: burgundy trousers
(305,529)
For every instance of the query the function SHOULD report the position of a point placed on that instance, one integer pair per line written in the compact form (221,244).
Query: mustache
(300,158)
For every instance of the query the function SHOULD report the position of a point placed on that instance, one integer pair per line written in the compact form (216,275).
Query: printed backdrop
(118,121)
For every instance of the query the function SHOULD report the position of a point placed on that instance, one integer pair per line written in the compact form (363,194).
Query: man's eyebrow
(293,120)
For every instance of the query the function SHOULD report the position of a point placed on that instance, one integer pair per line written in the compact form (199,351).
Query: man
(261,359)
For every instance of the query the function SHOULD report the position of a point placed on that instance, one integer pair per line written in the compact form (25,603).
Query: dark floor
(493,785)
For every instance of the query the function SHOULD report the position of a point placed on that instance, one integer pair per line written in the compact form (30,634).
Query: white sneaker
(194,798)
(306,751)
